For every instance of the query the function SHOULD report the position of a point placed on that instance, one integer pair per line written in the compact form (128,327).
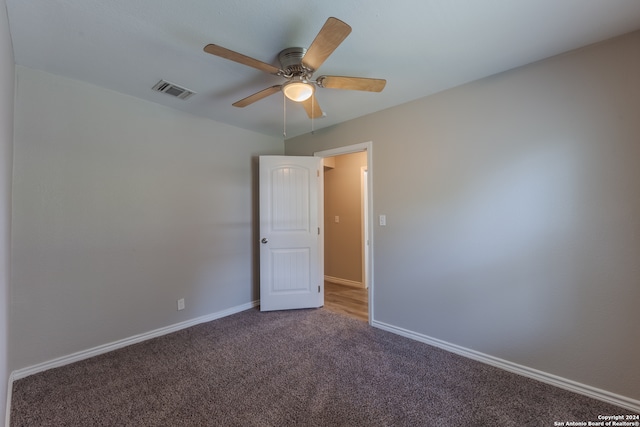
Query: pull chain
(284,110)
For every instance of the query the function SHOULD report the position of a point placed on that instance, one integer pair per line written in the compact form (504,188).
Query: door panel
(291,271)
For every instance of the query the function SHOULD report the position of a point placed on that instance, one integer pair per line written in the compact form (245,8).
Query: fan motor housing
(291,61)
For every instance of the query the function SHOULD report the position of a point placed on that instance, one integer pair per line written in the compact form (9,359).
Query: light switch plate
(383,220)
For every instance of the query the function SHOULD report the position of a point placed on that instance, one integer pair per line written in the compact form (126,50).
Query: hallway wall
(343,199)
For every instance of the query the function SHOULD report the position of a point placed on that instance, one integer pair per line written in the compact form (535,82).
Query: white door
(291,268)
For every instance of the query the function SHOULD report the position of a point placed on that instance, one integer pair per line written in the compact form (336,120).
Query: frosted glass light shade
(298,91)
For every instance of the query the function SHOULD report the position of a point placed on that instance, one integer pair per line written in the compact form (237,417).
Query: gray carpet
(302,367)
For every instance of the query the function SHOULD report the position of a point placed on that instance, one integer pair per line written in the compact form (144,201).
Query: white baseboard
(599,394)
(7,415)
(105,348)
(346,282)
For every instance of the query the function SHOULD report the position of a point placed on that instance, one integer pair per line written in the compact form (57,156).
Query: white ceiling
(419,46)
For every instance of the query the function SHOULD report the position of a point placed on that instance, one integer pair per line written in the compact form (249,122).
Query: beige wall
(513,216)
(120,208)
(342,198)
(7,71)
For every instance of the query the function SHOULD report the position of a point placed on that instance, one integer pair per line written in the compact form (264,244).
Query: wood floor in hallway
(347,300)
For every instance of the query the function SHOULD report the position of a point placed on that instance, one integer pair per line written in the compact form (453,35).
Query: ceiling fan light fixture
(298,91)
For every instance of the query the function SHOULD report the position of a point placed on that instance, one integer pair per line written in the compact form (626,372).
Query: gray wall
(513,214)
(7,70)
(120,208)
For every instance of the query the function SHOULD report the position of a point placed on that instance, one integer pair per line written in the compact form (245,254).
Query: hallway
(347,300)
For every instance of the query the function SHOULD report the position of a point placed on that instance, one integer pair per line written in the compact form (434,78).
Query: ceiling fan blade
(257,96)
(352,83)
(240,58)
(312,107)
(332,33)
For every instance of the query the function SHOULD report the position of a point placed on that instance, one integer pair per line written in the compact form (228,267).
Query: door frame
(366,241)
(348,149)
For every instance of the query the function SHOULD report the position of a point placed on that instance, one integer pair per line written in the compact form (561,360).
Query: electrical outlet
(181,304)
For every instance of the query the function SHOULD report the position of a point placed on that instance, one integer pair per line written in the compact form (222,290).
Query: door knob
(264,240)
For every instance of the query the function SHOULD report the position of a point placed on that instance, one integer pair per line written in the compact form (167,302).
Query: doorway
(347,234)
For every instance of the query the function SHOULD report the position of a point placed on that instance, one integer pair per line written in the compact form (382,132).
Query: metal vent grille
(172,89)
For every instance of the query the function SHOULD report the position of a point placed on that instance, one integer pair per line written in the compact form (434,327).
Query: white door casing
(291,262)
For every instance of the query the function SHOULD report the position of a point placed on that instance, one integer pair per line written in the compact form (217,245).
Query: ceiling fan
(298,65)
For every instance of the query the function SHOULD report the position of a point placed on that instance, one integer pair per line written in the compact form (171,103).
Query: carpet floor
(302,368)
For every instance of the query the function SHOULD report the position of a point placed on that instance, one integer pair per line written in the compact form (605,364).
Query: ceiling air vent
(172,89)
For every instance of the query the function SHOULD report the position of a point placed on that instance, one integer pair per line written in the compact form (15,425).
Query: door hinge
(318,173)
(318,288)
(318,231)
